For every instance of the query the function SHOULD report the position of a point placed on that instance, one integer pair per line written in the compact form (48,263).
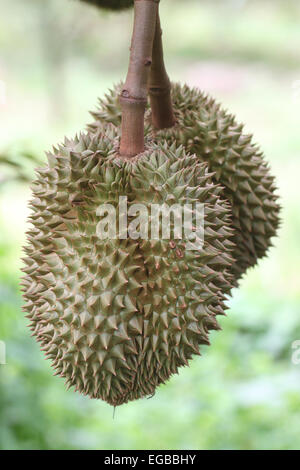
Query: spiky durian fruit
(111,4)
(206,129)
(118,316)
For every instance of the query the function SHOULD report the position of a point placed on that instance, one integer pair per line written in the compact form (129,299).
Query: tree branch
(160,86)
(133,98)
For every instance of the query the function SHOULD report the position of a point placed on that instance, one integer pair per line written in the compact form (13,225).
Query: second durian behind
(214,135)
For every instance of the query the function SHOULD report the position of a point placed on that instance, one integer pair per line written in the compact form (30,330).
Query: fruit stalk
(133,98)
(160,85)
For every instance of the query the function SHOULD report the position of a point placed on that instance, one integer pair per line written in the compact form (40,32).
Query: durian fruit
(117,317)
(111,4)
(206,129)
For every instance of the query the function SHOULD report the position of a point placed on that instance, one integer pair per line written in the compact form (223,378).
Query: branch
(133,98)
(160,86)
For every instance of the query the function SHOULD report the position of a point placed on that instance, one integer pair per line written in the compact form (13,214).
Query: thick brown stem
(160,86)
(133,97)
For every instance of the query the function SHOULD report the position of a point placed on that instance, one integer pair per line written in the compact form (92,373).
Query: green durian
(117,317)
(111,4)
(206,129)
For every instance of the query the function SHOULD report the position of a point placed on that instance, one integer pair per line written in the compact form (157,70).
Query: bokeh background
(57,57)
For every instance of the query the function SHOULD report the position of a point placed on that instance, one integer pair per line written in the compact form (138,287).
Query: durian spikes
(119,315)
(204,128)
(111,4)
(133,97)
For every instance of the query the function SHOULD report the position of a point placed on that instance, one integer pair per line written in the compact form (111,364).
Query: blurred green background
(57,57)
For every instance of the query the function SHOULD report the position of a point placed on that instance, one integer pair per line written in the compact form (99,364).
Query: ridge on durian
(203,127)
(111,4)
(118,317)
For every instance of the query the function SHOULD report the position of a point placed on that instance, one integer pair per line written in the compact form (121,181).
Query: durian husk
(118,317)
(204,128)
